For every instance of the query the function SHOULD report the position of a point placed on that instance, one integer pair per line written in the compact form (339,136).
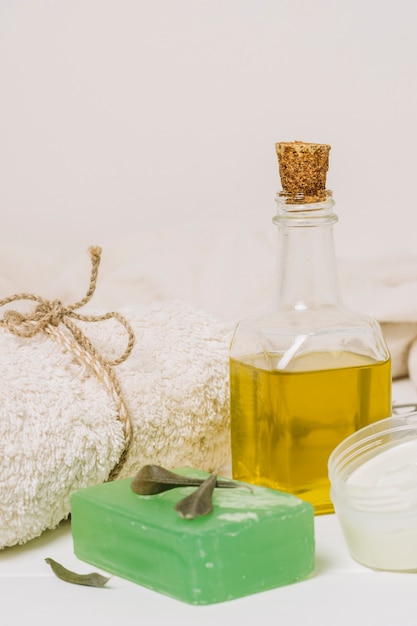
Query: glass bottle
(308,372)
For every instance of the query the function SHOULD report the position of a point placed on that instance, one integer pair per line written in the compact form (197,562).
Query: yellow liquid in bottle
(286,423)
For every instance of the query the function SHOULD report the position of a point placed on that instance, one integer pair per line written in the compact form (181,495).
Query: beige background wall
(124,117)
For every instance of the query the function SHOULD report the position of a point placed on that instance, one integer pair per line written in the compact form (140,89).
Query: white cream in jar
(373,476)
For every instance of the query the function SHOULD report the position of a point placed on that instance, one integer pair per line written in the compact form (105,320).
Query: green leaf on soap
(199,502)
(153,479)
(91,580)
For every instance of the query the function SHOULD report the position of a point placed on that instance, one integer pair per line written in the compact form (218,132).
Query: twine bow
(49,316)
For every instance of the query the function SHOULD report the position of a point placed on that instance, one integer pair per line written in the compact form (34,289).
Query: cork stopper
(303,169)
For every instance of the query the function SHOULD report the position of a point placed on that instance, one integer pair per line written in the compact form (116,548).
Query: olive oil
(286,422)
(307,372)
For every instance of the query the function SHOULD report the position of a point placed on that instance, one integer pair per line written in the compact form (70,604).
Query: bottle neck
(306,265)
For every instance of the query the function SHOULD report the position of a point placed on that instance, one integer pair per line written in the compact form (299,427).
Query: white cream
(396,466)
(380,518)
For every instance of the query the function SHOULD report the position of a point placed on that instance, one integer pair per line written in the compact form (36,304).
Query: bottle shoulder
(307,320)
(295,333)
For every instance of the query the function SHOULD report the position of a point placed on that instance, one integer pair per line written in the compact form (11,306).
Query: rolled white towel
(59,427)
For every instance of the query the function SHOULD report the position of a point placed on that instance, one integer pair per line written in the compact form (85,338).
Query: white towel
(59,428)
(386,289)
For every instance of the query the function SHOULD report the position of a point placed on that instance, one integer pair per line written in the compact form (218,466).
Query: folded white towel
(386,289)
(59,429)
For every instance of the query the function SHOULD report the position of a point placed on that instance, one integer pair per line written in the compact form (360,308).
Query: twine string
(49,316)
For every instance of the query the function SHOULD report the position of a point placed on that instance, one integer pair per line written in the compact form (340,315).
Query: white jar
(373,477)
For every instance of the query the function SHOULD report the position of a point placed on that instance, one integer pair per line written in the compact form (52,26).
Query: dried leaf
(91,580)
(199,502)
(153,479)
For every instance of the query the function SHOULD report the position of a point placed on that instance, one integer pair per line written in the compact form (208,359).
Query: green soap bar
(251,542)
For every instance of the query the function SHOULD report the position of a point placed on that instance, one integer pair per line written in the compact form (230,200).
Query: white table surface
(339,592)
